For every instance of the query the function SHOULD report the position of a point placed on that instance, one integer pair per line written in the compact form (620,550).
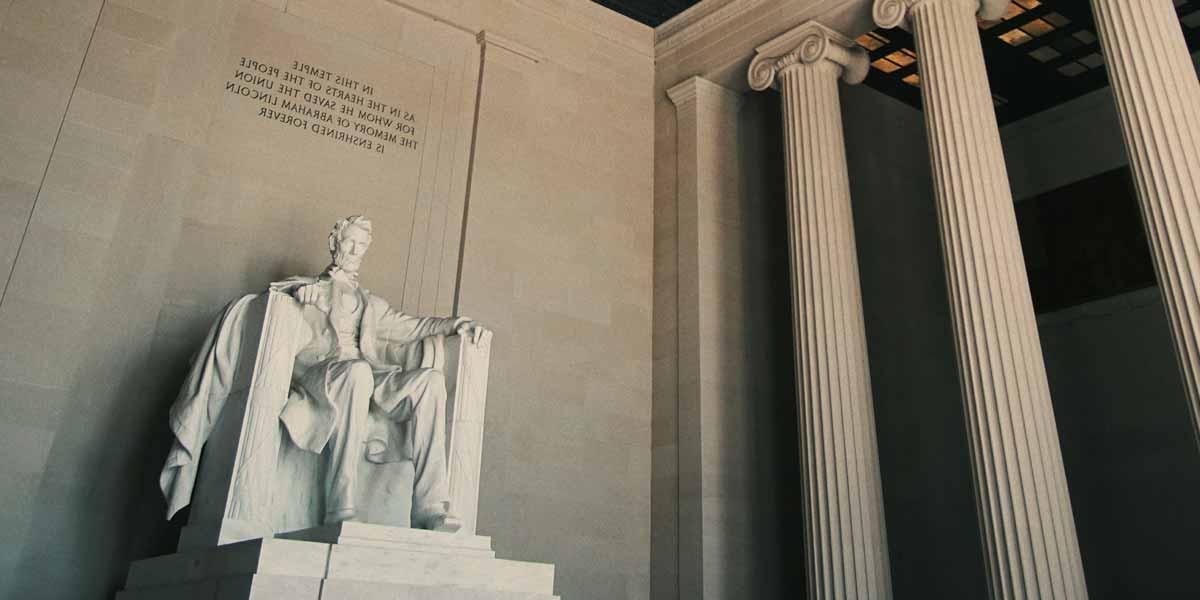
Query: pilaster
(707,182)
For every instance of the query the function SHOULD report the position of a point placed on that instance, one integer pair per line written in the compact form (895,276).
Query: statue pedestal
(350,561)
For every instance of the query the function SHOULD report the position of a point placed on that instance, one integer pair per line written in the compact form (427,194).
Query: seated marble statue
(349,397)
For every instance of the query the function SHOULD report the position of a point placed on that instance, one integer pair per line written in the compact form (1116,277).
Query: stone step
(251,557)
(388,565)
(400,538)
(300,559)
(347,589)
(281,587)
(236,587)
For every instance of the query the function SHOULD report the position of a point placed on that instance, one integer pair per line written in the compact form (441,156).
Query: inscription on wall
(325,103)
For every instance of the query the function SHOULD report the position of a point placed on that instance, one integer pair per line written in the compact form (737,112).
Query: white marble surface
(344,589)
(353,561)
(359,389)
(467,389)
(364,534)
(388,565)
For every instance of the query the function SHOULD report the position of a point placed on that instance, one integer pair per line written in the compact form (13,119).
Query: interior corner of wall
(490,39)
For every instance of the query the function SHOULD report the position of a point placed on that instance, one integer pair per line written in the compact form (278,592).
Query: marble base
(342,562)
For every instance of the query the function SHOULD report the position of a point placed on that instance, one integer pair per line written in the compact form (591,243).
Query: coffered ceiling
(650,12)
(1040,54)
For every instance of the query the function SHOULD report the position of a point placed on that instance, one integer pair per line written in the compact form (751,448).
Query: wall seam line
(466,210)
(53,147)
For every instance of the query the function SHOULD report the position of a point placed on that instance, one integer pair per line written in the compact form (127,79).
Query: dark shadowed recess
(1084,242)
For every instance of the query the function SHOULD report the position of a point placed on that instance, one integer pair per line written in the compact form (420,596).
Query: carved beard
(346,262)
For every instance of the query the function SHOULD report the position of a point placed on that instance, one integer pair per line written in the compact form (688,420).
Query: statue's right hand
(308,294)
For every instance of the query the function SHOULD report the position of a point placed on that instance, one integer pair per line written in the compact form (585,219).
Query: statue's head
(348,242)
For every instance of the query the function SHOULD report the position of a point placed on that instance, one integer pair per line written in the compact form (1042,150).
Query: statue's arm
(395,327)
(291,284)
(305,291)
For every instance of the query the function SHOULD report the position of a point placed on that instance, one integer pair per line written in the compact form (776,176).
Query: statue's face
(351,248)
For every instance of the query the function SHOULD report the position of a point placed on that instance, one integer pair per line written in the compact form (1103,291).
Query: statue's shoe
(337,516)
(438,521)
(447,523)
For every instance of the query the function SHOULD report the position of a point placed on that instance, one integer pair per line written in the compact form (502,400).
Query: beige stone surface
(563,161)
(717,350)
(163,196)
(707,267)
(732,271)
(846,537)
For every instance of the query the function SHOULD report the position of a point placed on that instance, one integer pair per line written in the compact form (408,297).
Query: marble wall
(149,171)
(559,251)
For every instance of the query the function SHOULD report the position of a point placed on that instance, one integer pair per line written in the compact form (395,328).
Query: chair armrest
(433,353)
(466,385)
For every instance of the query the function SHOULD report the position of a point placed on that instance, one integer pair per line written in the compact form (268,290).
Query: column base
(347,561)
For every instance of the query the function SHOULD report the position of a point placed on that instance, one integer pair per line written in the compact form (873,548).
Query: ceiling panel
(649,12)
(1041,54)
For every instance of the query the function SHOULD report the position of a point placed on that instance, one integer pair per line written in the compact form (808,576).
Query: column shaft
(845,534)
(1156,91)
(1024,506)
(845,530)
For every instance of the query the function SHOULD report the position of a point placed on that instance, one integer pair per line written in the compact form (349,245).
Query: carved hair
(335,235)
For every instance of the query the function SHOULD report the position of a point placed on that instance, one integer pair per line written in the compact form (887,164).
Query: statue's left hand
(469,329)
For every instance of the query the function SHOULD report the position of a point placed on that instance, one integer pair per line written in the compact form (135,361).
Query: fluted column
(1157,94)
(1021,491)
(844,527)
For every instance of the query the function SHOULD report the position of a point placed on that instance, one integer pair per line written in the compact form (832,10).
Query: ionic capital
(810,43)
(889,14)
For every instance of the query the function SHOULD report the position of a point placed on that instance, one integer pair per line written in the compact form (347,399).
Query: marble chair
(252,481)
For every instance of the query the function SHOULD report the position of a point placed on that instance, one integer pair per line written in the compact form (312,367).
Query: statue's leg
(349,386)
(421,396)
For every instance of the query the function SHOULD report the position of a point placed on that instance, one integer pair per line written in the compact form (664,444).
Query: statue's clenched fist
(312,293)
(470,330)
